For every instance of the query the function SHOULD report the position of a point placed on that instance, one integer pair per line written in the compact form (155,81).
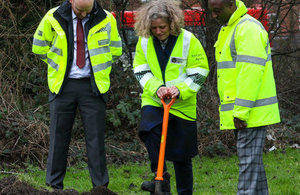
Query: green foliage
(294,123)
(123,112)
(216,149)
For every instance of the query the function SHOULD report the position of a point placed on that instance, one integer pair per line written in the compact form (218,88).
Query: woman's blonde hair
(168,10)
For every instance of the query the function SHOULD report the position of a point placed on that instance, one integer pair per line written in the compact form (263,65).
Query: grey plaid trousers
(252,176)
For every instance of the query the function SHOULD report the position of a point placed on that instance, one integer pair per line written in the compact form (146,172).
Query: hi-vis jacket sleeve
(252,49)
(197,70)
(115,39)
(43,38)
(142,72)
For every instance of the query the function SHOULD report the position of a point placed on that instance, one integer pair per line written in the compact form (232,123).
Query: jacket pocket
(101,37)
(103,42)
(229,94)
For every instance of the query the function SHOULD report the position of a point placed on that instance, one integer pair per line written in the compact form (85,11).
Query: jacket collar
(239,12)
(65,10)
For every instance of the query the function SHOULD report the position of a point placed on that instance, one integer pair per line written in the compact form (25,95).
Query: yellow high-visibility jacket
(186,69)
(246,84)
(51,44)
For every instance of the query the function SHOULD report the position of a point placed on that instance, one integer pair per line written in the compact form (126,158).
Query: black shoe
(150,185)
(55,187)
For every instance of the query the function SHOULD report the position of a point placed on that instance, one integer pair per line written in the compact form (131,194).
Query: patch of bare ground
(13,186)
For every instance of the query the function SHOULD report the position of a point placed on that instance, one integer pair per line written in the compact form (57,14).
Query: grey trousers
(252,176)
(77,93)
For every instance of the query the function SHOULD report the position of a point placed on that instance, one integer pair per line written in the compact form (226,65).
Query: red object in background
(128,19)
(193,17)
(262,17)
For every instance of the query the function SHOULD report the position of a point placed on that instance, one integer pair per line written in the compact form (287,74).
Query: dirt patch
(99,190)
(13,186)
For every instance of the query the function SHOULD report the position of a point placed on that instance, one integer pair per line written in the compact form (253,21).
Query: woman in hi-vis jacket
(169,63)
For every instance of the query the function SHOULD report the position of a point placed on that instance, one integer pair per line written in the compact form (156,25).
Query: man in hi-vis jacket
(79,41)
(246,87)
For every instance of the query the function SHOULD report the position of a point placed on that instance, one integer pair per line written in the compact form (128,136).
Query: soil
(13,186)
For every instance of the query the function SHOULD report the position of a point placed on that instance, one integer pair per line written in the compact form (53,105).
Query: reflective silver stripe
(144,44)
(251,59)
(41,43)
(140,68)
(145,79)
(249,104)
(266,101)
(198,70)
(226,64)
(267,51)
(186,44)
(108,28)
(191,84)
(43,56)
(116,44)
(232,48)
(268,45)
(227,107)
(53,64)
(99,50)
(269,57)
(56,50)
(244,103)
(102,66)
(257,103)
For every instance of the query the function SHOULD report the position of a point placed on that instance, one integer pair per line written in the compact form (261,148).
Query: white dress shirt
(75,71)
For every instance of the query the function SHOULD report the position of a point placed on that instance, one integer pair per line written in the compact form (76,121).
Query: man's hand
(239,124)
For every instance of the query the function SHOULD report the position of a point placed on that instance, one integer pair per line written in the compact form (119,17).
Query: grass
(216,175)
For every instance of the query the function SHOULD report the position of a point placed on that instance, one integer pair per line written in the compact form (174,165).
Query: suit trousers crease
(77,94)
(252,176)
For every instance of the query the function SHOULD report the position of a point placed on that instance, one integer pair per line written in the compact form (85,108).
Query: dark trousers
(252,176)
(183,169)
(77,93)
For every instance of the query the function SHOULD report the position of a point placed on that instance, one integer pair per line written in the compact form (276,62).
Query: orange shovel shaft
(162,149)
